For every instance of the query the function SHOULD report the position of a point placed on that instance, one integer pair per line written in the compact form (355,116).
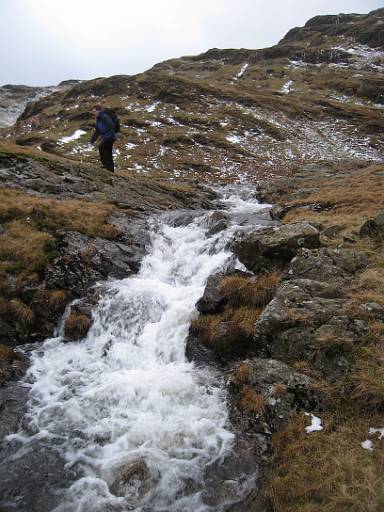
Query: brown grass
(329,471)
(45,213)
(242,374)
(326,471)
(23,244)
(251,400)
(249,291)
(368,378)
(7,354)
(54,300)
(76,326)
(15,311)
(350,200)
(280,390)
(239,326)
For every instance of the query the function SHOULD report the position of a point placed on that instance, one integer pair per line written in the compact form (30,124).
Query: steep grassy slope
(228,114)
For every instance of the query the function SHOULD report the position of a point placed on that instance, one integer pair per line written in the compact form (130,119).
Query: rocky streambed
(116,419)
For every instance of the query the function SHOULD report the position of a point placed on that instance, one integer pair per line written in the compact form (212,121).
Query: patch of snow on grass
(315,425)
(241,72)
(235,139)
(74,136)
(367,445)
(377,431)
(80,149)
(297,64)
(287,87)
(152,107)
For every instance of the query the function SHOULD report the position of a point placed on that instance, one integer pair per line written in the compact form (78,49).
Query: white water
(127,393)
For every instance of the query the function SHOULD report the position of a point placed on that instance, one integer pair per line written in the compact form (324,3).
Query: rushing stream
(125,400)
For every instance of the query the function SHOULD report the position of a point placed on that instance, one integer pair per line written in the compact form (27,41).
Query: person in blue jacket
(105,129)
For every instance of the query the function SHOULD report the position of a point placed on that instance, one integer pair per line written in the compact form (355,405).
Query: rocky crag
(14,99)
(299,333)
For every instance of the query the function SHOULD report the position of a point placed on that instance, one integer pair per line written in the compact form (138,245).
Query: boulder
(327,264)
(132,479)
(79,320)
(217,222)
(84,260)
(213,298)
(374,228)
(275,247)
(263,393)
(306,321)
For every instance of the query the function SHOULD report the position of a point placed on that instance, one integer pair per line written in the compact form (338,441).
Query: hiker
(105,128)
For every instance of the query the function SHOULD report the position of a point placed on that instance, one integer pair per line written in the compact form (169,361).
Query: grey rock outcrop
(327,264)
(307,321)
(374,228)
(276,246)
(263,393)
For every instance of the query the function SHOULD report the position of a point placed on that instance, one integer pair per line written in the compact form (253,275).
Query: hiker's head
(96,110)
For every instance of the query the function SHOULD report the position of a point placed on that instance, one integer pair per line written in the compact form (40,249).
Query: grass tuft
(251,400)
(76,326)
(256,292)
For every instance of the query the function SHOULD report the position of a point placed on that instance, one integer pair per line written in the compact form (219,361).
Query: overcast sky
(46,41)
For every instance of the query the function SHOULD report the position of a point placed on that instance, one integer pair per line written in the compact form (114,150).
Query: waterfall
(126,397)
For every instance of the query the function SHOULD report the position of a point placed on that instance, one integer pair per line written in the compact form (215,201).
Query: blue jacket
(105,128)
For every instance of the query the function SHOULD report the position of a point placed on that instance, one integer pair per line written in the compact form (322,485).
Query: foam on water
(127,393)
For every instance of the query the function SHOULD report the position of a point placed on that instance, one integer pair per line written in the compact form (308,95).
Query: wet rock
(263,393)
(13,365)
(31,483)
(133,480)
(274,247)
(272,191)
(8,333)
(79,320)
(230,480)
(374,228)
(217,222)
(213,298)
(199,353)
(278,212)
(85,260)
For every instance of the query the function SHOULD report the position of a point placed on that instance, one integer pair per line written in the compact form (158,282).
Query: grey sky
(46,41)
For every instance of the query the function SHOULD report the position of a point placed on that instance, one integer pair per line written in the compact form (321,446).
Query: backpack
(116,122)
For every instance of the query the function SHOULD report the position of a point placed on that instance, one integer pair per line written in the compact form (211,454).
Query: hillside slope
(318,95)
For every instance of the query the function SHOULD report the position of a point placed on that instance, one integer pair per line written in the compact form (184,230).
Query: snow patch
(152,107)
(235,139)
(287,87)
(315,425)
(74,136)
(367,445)
(379,431)
(241,72)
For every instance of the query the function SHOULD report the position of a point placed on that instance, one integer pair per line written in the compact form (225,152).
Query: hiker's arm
(95,136)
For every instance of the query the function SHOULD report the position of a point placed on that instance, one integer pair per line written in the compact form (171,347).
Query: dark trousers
(105,150)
